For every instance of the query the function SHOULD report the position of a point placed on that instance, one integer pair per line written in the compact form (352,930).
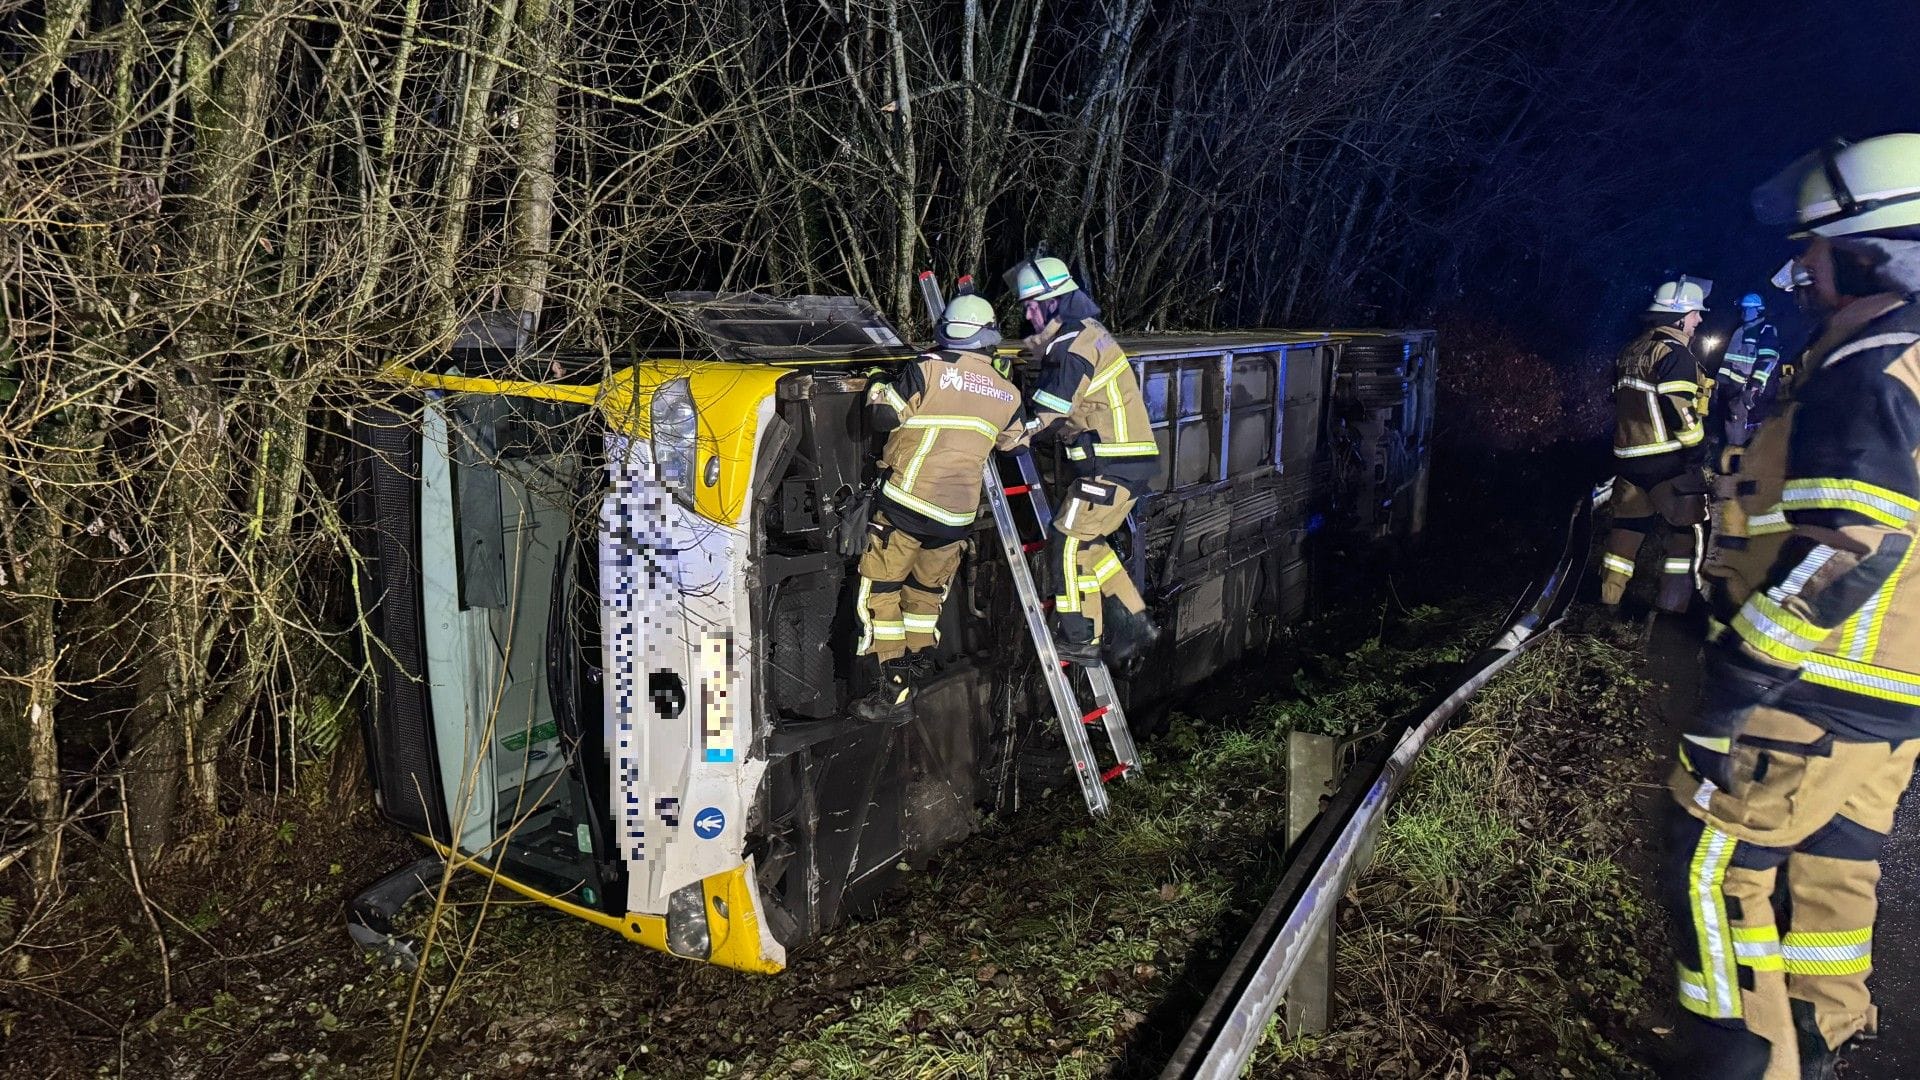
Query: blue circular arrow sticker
(708,823)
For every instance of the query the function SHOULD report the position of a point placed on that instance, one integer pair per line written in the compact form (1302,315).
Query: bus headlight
(673,436)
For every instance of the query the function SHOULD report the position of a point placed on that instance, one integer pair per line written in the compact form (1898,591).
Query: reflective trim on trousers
(1758,947)
(866,617)
(1707,875)
(1068,603)
(1828,952)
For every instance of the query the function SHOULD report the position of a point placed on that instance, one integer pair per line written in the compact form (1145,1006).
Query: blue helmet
(1752,300)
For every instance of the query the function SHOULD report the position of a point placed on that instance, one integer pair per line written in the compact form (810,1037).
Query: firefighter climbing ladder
(1075,721)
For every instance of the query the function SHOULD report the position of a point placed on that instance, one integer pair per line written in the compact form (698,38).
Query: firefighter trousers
(903,584)
(1792,799)
(1637,513)
(1083,567)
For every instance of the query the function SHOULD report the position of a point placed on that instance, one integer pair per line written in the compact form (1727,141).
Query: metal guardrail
(1234,1019)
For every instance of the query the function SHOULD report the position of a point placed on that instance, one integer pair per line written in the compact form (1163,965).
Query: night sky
(1782,76)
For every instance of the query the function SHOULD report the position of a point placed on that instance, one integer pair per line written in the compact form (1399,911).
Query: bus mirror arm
(370,914)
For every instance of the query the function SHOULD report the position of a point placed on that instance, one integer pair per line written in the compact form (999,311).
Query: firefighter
(946,411)
(1744,387)
(1731,533)
(1657,447)
(1087,389)
(1809,719)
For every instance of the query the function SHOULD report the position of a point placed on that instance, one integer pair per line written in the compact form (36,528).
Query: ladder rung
(1060,683)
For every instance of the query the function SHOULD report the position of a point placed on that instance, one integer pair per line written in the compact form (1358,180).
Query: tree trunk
(230,112)
(907,182)
(35,74)
(539,140)
(43,751)
(153,773)
(456,193)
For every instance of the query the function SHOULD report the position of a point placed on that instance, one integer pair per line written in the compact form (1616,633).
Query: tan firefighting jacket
(947,410)
(1813,561)
(1087,384)
(1657,383)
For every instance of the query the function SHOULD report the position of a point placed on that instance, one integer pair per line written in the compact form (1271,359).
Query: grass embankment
(1497,928)
(1502,929)
(1498,932)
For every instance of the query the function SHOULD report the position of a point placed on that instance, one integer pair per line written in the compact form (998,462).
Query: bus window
(1154,383)
(1196,438)
(1250,414)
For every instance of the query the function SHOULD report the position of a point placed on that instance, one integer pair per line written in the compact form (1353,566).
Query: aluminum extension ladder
(1075,721)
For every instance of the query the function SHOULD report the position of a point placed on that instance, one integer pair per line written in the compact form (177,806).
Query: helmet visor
(1777,202)
(1792,276)
(1028,266)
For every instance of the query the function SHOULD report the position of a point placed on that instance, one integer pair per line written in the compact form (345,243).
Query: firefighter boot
(1676,593)
(1128,633)
(1817,1060)
(891,699)
(1073,639)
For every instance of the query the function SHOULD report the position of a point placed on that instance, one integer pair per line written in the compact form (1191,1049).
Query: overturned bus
(609,605)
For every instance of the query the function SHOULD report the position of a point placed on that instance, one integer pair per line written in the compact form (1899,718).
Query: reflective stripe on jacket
(1822,580)
(1656,384)
(1088,386)
(947,411)
(1754,348)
